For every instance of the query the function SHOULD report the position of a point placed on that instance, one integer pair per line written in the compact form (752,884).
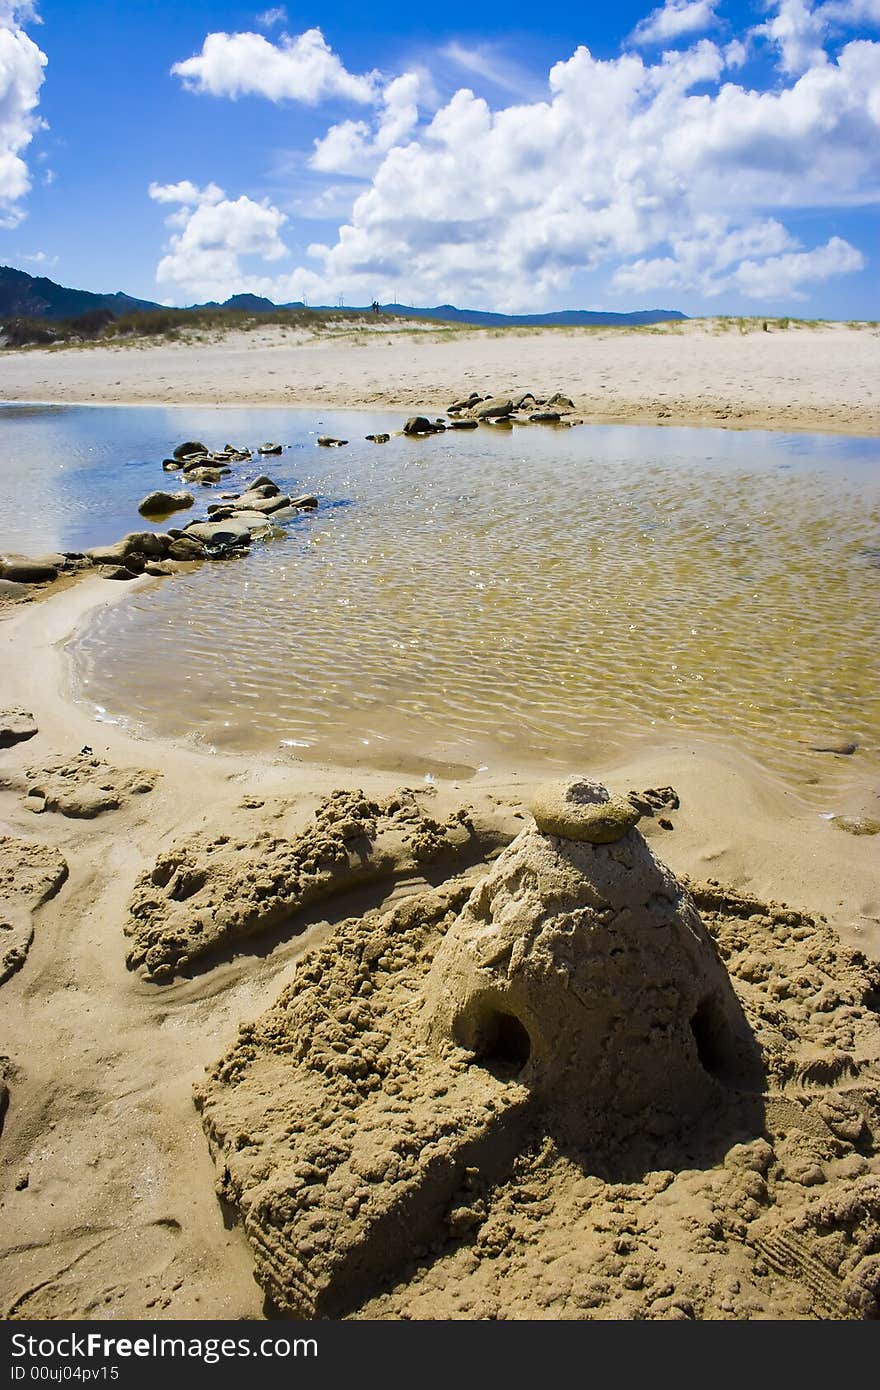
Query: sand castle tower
(580,966)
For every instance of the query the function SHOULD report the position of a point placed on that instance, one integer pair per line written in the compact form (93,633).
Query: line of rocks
(474,410)
(231,524)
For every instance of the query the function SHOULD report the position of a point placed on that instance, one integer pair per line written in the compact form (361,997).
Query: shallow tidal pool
(532,594)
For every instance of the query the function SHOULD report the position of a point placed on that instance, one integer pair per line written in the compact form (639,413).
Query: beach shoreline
(103,1164)
(820,378)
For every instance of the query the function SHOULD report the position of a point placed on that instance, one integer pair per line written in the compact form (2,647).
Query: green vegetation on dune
(101,325)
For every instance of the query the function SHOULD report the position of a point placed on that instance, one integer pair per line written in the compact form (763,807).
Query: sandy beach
(766,1205)
(821,377)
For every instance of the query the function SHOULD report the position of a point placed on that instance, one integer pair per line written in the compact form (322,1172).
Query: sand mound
(80,787)
(537,1091)
(30,874)
(212,891)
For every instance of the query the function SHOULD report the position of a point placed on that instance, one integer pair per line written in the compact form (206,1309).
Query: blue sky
(702,155)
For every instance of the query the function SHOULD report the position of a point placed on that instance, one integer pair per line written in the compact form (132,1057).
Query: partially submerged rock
(253,501)
(220,535)
(190,448)
(420,424)
(164,503)
(23,569)
(141,545)
(842,746)
(496,408)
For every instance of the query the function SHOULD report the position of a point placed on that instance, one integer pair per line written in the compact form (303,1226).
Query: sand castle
(575,989)
(582,966)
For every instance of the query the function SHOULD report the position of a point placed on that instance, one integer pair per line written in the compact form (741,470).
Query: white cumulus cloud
(798,30)
(21,77)
(503,207)
(204,256)
(668,175)
(353,147)
(185,192)
(781,277)
(674,19)
(304,69)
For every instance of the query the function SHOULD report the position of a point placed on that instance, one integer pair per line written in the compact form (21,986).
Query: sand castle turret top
(580,966)
(578,809)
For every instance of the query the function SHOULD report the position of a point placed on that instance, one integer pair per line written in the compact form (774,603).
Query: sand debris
(212,890)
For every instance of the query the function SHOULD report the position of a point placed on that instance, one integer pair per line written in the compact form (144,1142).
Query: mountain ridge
(36,297)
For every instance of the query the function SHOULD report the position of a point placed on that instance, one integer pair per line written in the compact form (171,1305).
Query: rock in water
(190,448)
(420,424)
(163,503)
(576,990)
(219,535)
(270,448)
(495,409)
(22,569)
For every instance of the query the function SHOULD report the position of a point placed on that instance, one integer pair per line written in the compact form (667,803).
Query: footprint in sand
(88,1283)
(30,874)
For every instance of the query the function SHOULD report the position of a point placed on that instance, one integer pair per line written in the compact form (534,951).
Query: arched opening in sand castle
(501,1041)
(711,1037)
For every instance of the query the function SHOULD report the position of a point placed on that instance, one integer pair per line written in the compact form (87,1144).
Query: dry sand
(212,874)
(700,372)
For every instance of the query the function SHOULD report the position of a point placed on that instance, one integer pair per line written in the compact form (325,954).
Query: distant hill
(247,304)
(447,313)
(35,297)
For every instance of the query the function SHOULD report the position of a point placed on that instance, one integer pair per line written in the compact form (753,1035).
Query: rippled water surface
(533,591)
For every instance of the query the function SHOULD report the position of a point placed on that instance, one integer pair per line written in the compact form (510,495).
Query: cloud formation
(204,256)
(667,175)
(21,77)
(354,147)
(304,69)
(269,18)
(674,19)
